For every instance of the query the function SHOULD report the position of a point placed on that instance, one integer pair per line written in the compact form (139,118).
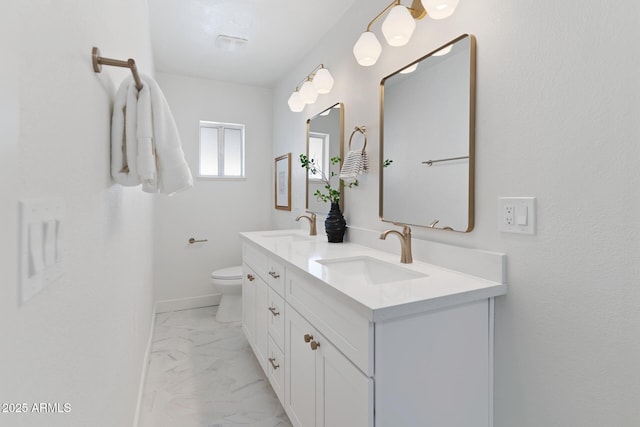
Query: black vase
(335,225)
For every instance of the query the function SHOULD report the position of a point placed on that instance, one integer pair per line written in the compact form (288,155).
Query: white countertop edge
(451,288)
(432,304)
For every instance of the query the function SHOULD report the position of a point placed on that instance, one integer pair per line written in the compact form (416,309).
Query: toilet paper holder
(193,240)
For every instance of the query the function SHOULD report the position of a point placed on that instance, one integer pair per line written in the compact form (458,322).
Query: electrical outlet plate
(517,215)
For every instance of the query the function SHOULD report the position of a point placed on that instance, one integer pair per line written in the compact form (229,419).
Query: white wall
(216,210)
(82,339)
(557,118)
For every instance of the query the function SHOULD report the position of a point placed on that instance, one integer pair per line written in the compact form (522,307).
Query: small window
(221,150)
(319,153)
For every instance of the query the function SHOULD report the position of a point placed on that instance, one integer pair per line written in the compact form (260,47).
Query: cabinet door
(249,280)
(262,322)
(300,388)
(323,388)
(344,394)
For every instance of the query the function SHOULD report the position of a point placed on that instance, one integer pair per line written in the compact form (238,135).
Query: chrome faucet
(405,242)
(312,222)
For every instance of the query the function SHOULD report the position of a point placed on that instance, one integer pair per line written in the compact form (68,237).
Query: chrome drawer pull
(273,363)
(274,311)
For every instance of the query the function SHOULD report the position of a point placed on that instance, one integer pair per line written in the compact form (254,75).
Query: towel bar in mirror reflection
(431,162)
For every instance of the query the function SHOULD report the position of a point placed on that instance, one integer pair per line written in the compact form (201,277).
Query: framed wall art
(283,182)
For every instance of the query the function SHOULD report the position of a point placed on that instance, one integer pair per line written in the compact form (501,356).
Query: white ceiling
(280,32)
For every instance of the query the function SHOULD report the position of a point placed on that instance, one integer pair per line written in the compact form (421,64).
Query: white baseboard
(187,303)
(145,367)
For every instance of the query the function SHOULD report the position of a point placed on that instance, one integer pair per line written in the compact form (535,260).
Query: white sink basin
(364,269)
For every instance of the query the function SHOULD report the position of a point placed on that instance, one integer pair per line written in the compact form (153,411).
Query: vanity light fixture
(307,92)
(318,82)
(398,26)
(296,104)
(440,9)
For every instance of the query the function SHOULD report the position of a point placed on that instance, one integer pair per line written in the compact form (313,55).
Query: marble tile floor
(203,373)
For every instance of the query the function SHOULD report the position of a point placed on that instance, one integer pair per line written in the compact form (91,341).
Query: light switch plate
(517,215)
(40,245)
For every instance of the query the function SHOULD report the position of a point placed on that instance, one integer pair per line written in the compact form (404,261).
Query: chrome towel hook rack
(98,61)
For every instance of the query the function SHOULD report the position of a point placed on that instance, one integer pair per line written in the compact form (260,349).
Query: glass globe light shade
(409,69)
(323,81)
(367,49)
(443,51)
(398,26)
(308,93)
(295,103)
(440,9)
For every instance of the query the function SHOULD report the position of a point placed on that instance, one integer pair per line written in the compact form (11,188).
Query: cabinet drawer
(337,318)
(276,318)
(276,276)
(275,369)
(257,260)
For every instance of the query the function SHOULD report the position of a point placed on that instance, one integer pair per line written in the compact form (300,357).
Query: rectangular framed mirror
(427,139)
(325,140)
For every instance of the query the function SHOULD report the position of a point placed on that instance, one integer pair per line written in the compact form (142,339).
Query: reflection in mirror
(325,139)
(427,139)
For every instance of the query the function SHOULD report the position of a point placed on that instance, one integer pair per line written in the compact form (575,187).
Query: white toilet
(228,281)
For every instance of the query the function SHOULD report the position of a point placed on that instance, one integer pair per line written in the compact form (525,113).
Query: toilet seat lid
(229,273)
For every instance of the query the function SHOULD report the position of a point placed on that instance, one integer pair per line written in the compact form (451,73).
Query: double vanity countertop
(375,280)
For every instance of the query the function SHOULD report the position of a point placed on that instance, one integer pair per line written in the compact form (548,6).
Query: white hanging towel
(354,164)
(356,161)
(156,160)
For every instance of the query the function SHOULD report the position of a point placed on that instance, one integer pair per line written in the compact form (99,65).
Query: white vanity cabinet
(343,354)
(263,313)
(323,388)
